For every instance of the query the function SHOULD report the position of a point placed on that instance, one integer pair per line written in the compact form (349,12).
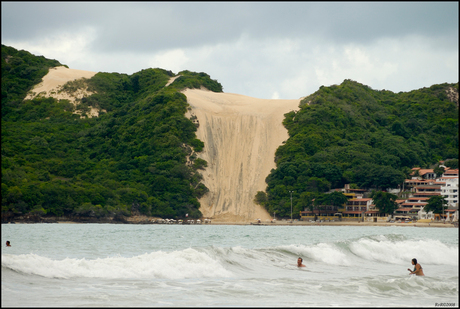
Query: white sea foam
(187,263)
(326,253)
(391,249)
(399,252)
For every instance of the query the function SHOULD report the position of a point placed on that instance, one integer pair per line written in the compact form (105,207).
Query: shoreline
(432,224)
(147,221)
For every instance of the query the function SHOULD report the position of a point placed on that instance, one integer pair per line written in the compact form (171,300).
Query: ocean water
(95,265)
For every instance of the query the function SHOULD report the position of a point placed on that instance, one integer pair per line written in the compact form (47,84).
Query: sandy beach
(142,219)
(304,223)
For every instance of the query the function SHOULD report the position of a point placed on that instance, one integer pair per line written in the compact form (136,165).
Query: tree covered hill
(350,133)
(137,157)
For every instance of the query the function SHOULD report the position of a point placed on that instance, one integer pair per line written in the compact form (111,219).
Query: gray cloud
(263,49)
(155,25)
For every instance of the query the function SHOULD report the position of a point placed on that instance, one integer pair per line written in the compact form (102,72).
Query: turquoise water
(88,265)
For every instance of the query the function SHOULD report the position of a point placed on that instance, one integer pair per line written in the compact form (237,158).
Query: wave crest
(183,264)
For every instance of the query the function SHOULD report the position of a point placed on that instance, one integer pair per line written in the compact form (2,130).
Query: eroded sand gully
(241,135)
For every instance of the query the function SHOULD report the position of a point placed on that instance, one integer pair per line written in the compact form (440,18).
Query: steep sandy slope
(241,135)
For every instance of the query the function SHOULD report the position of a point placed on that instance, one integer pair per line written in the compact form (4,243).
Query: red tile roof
(427,193)
(451,172)
(405,209)
(413,204)
(422,171)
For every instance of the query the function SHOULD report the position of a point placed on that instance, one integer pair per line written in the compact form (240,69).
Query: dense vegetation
(20,72)
(137,157)
(350,133)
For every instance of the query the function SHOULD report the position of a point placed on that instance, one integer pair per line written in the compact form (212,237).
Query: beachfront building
(356,208)
(374,215)
(323,212)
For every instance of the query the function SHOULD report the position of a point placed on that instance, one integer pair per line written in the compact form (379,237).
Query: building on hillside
(358,193)
(422,190)
(427,190)
(450,172)
(411,183)
(423,173)
(449,187)
(415,202)
(449,190)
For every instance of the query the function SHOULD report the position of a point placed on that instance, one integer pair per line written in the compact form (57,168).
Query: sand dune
(52,83)
(55,78)
(241,135)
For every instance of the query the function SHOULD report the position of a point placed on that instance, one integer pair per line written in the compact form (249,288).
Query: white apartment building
(450,190)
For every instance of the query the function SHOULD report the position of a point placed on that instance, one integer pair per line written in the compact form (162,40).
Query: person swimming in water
(418,271)
(8,243)
(299,262)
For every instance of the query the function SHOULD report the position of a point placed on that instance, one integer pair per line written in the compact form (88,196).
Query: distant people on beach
(8,243)
(417,269)
(299,262)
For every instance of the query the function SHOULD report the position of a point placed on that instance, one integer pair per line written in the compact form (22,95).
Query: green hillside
(350,133)
(131,159)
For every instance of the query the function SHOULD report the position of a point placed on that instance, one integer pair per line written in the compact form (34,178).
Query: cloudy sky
(269,50)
